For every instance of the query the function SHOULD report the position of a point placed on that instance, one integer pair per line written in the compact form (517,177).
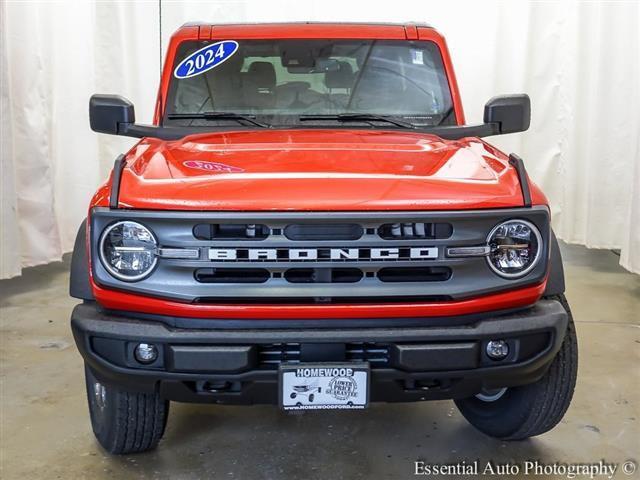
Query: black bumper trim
(449,353)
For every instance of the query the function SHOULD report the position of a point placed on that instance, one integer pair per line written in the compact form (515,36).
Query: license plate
(324,386)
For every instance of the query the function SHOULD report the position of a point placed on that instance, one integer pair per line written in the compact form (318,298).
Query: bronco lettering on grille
(316,254)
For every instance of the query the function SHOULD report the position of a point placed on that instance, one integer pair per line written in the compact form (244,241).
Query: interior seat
(225,82)
(341,79)
(259,85)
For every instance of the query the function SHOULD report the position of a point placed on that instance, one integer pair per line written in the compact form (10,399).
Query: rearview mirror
(511,113)
(107,112)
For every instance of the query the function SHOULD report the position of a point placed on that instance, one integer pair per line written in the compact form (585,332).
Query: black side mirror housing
(115,115)
(107,112)
(511,113)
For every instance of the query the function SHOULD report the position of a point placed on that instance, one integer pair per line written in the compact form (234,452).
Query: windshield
(288,82)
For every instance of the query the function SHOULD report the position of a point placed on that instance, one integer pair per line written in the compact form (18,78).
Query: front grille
(414,274)
(411,230)
(230,231)
(323,275)
(315,258)
(231,275)
(341,231)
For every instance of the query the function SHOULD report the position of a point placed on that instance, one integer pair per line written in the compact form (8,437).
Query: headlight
(128,250)
(515,248)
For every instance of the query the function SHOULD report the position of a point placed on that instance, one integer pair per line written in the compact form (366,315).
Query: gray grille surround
(174,279)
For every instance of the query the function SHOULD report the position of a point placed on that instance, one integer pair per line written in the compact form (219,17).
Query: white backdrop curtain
(579,62)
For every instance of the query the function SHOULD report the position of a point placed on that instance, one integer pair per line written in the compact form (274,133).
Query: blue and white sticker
(206,58)
(417,57)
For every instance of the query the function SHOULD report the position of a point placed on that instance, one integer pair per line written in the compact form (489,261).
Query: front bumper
(240,365)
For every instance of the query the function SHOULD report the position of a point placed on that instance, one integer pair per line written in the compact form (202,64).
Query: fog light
(497,349)
(146,353)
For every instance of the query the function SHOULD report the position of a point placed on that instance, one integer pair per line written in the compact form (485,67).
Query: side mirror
(107,112)
(510,113)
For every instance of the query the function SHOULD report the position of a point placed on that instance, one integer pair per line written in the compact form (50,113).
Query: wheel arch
(555,281)
(79,286)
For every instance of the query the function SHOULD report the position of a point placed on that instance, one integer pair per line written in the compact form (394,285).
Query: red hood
(317,170)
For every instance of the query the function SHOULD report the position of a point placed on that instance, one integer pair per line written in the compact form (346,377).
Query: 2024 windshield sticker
(206,58)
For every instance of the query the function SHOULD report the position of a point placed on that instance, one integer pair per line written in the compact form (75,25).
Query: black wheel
(125,422)
(522,412)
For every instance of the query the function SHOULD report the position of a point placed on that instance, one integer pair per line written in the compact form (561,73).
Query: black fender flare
(555,281)
(79,286)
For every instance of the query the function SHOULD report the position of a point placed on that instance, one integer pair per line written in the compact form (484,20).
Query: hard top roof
(327,30)
(284,24)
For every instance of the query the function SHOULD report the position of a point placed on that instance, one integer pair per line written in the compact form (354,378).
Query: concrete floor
(45,431)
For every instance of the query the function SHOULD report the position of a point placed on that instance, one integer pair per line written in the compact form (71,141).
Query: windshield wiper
(218,116)
(359,117)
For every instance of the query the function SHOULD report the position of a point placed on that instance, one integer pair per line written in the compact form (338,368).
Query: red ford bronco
(310,222)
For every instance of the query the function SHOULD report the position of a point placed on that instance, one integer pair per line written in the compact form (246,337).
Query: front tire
(522,412)
(125,422)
